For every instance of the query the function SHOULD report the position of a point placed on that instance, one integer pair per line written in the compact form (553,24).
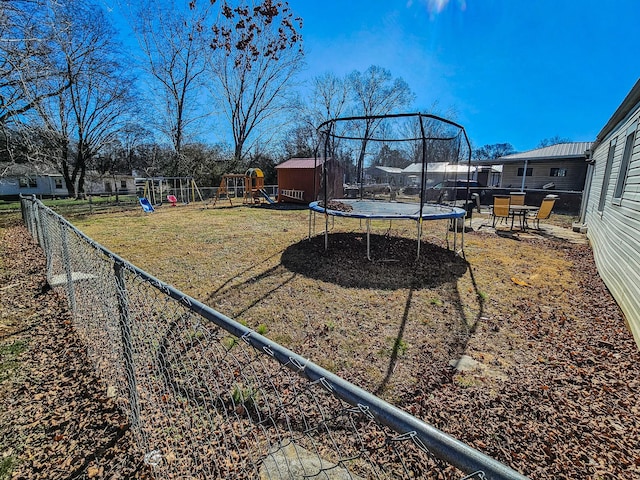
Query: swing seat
(172,200)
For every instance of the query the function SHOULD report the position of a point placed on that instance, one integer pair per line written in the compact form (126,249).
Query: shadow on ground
(394,263)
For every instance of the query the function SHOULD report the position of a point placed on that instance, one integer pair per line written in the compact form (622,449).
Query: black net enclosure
(411,166)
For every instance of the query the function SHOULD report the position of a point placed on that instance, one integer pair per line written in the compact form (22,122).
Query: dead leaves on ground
(56,420)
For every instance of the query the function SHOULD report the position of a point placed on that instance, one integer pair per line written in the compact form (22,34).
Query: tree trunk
(68,181)
(69,178)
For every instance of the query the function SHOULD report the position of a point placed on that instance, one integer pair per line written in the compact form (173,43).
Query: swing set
(174,189)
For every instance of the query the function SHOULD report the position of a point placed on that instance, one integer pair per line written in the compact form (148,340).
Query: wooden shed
(299,180)
(611,206)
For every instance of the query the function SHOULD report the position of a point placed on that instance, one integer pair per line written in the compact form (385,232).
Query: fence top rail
(442,445)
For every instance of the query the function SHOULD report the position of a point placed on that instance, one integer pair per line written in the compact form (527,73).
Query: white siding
(615,232)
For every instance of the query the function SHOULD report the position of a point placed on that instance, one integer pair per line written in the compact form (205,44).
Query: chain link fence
(207,397)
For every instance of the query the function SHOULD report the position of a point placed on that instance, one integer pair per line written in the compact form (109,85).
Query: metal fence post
(34,221)
(45,240)
(127,346)
(23,211)
(28,216)
(67,266)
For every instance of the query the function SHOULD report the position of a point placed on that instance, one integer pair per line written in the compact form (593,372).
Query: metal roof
(439,167)
(392,170)
(301,163)
(9,169)
(552,152)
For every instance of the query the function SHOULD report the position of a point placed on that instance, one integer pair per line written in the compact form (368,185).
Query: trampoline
(393,167)
(375,209)
(379,210)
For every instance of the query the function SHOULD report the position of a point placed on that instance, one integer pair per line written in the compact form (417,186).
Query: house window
(624,164)
(558,172)
(529,172)
(107,187)
(25,182)
(123,184)
(607,174)
(58,183)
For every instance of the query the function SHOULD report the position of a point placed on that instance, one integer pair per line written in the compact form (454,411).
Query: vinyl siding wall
(45,185)
(541,174)
(614,232)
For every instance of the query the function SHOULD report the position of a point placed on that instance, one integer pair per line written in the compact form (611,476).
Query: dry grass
(380,323)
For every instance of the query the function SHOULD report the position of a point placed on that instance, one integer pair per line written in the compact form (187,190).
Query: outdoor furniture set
(510,206)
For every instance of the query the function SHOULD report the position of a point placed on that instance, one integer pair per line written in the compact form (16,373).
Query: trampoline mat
(377,209)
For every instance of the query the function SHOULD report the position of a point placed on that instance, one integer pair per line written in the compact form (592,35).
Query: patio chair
(517,198)
(543,213)
(501,208)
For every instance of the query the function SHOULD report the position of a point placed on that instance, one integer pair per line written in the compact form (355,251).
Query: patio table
(521,211)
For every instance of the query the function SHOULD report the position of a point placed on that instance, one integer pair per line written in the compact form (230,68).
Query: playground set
(251,183)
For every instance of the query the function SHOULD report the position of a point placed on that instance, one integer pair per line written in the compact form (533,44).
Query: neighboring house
(23,179)
(109,183)
(559,167)
(437,172)
(44,181)
(386,175)
(299,180)
(611,207)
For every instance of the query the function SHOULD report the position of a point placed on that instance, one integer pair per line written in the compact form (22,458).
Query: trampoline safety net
(416,158)
(404,166)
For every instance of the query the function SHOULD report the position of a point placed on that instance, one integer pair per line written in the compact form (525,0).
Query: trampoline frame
(326,131)
(453,214)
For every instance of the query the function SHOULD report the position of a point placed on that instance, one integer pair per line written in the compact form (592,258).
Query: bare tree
(440,144)
(82,119)
(556,139)
(493,151)
(255,53)
(30,70)
(376,92)
(170,34)
(327,99)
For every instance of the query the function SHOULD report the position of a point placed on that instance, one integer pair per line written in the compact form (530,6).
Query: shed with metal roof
(562,167)
(299,179)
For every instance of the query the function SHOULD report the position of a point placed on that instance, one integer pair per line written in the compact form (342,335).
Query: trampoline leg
(368,244)
(326,232)
(419,238)
(455,234)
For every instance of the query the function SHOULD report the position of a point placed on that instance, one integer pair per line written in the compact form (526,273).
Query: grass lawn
(378,323)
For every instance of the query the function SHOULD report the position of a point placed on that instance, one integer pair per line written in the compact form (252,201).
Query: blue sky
(514,71)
